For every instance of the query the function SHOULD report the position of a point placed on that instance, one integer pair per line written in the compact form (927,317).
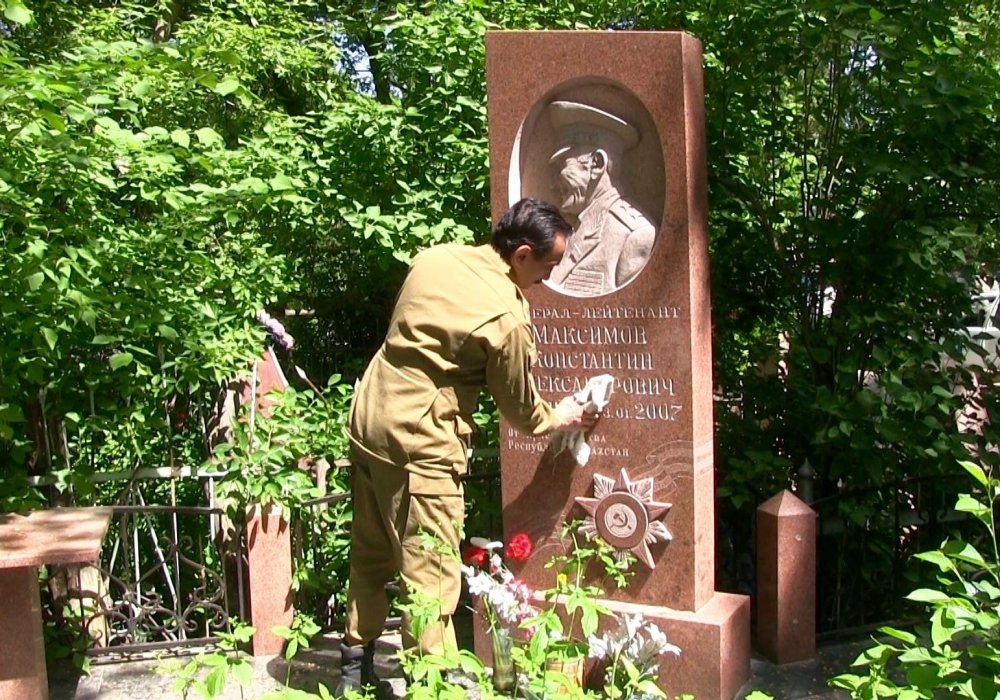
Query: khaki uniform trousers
(400,528)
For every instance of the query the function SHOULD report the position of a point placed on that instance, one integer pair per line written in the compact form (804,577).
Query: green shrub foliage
(169,168)
(956,652)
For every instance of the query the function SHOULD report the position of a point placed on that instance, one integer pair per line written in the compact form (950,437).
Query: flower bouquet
(632,656)
(506,601)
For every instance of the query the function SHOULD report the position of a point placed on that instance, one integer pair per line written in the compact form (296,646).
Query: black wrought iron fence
(866,540)
(168,577)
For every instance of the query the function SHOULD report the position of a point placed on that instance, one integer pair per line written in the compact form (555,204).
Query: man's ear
(598,163)
(522,252)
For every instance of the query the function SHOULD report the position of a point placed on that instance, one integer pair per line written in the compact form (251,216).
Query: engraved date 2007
(657,411)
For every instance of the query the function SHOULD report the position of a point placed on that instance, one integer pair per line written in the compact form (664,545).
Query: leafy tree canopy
(170,168)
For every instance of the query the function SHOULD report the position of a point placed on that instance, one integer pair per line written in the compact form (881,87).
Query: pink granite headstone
(610,127)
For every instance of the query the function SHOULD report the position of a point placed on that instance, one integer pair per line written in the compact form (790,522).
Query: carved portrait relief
(592,149)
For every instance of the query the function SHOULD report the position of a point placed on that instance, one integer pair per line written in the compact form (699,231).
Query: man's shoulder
(440,252)
(450,253)
(630,216)
(472,275)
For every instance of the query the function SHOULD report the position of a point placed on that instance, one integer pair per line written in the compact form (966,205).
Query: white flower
(275,329)
(483,543)
(480,583)
(508,599)
(654,646)
(639,641)
(598,647)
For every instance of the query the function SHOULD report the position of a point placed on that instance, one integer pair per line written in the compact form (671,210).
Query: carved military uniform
(609,247)
(460,324)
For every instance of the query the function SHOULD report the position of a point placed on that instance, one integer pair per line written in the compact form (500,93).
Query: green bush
(956,654)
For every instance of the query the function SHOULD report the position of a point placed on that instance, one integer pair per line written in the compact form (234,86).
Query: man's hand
(571,416)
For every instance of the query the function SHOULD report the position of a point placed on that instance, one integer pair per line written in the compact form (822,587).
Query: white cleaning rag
(593,397)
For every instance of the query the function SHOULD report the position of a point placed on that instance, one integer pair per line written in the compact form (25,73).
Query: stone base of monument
(714,641)
(715,646)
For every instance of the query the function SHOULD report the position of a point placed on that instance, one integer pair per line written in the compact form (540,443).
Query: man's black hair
(530,222)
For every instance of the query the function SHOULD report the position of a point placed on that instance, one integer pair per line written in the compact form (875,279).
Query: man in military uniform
(461,323)
(613,239)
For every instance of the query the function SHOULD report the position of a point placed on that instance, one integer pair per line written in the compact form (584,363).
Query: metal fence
(866,540)
(168,577)
(174,576)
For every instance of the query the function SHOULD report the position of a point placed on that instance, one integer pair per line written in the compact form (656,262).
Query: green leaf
(180,137)
(16,12)
(968,504)
(907,637)
(977,472)
(101,339)
(242,672)
(50,337)
(167,332)
(216,681)
(120,359)
(964,552)
(35,280)
(226,87)
(208,136)
(928,595)
(915,655)
(936,557)
(282,631)
(281,182)
(942,627)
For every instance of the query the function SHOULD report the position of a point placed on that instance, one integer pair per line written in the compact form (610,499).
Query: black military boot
(357,672)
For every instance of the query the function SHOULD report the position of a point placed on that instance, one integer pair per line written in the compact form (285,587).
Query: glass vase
(504,676)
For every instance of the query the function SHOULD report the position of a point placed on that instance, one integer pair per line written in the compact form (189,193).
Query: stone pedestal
(269,574)
(786,579)
(57,536)
(22,671)
(715,644)
(714,641)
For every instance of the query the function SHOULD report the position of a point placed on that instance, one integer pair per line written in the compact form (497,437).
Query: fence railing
(866,540)
(169,576)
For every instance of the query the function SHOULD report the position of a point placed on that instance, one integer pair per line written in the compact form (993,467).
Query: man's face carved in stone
(574,183)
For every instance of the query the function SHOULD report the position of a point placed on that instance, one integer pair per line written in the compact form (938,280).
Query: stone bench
(57,536)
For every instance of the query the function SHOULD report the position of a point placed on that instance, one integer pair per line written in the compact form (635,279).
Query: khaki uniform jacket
(460,324)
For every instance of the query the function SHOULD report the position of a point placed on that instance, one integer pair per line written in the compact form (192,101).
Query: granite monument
(610,127)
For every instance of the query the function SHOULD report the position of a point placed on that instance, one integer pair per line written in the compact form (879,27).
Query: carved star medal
(624,514)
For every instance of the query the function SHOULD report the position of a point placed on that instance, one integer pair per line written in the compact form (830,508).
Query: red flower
(519,548)
(474,555)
